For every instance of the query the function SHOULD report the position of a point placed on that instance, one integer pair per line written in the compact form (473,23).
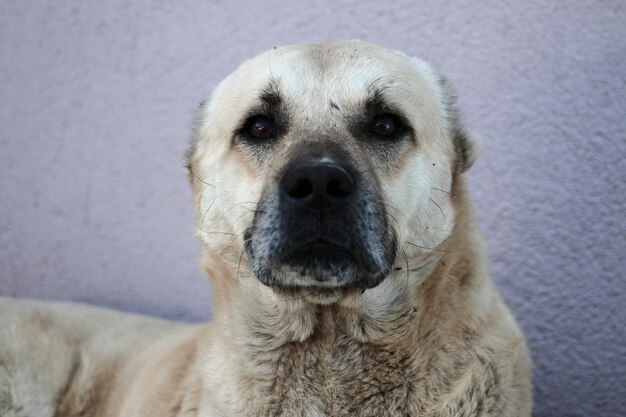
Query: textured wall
(97,99)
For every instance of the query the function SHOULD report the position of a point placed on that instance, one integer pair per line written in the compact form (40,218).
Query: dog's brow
(379,100)
(376,97)
(270,94)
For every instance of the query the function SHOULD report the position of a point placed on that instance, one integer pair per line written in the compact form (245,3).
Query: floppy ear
(195,138)
(466,147)
(466,144)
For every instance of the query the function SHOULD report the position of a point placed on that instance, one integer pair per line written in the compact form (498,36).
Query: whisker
(365,171)
(406,261)
(284,295)
(392,216)
(298,298)
(440,209)
(419,267)
(220,233)
(272,168)
(390,228)
(207,210)
(426,247)
(199,179)
(239,266)
(452,195)
(241,257)
(393,207)
(269,63)
(253,211)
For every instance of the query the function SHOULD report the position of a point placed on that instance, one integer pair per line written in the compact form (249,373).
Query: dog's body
(349,275)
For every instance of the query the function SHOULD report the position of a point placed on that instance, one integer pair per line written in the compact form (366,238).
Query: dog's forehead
(342,71)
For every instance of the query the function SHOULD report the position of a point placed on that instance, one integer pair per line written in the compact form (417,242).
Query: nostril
(300,188)
(339,187)
(320,183)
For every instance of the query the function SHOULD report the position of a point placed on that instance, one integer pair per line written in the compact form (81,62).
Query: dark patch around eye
(260,147)
(380,121)
(374,109)
(377,108)
(271,117)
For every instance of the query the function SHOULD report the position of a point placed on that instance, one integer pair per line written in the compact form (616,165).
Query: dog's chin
(321,272)
(323,281)
(314,295)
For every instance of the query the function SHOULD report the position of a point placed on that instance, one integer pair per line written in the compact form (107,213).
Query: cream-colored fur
(434,339)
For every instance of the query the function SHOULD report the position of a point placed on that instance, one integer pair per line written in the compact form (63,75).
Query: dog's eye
(260,127)
(385,125)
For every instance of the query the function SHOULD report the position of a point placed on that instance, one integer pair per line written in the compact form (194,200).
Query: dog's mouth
(319,269)
(323,272)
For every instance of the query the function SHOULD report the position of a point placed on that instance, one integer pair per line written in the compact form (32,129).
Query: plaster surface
(97,99)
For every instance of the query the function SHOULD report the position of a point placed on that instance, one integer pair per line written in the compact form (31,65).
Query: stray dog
(348,272)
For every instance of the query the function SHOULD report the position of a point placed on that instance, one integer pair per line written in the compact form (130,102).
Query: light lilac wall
(97,100)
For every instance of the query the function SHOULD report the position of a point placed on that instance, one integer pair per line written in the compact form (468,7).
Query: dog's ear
(466,147)
(195,138)
(466,143)
(188,156)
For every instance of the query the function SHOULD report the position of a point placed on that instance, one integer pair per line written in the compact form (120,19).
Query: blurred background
(97,100)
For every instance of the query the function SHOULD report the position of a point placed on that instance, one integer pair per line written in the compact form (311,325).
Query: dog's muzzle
(320,224)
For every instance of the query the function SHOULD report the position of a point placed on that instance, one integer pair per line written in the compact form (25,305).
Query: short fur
(433,339)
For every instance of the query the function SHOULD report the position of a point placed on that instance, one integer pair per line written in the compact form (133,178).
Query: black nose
(325,183)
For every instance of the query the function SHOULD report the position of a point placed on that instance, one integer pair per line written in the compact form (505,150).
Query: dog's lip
(319,248)
(323,244)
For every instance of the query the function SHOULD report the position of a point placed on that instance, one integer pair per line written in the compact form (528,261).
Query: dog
(348,272)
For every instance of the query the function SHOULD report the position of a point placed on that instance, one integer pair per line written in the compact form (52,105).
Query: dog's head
(326,168)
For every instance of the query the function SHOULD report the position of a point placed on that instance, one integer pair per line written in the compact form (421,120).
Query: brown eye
(384,125)
(260,127)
